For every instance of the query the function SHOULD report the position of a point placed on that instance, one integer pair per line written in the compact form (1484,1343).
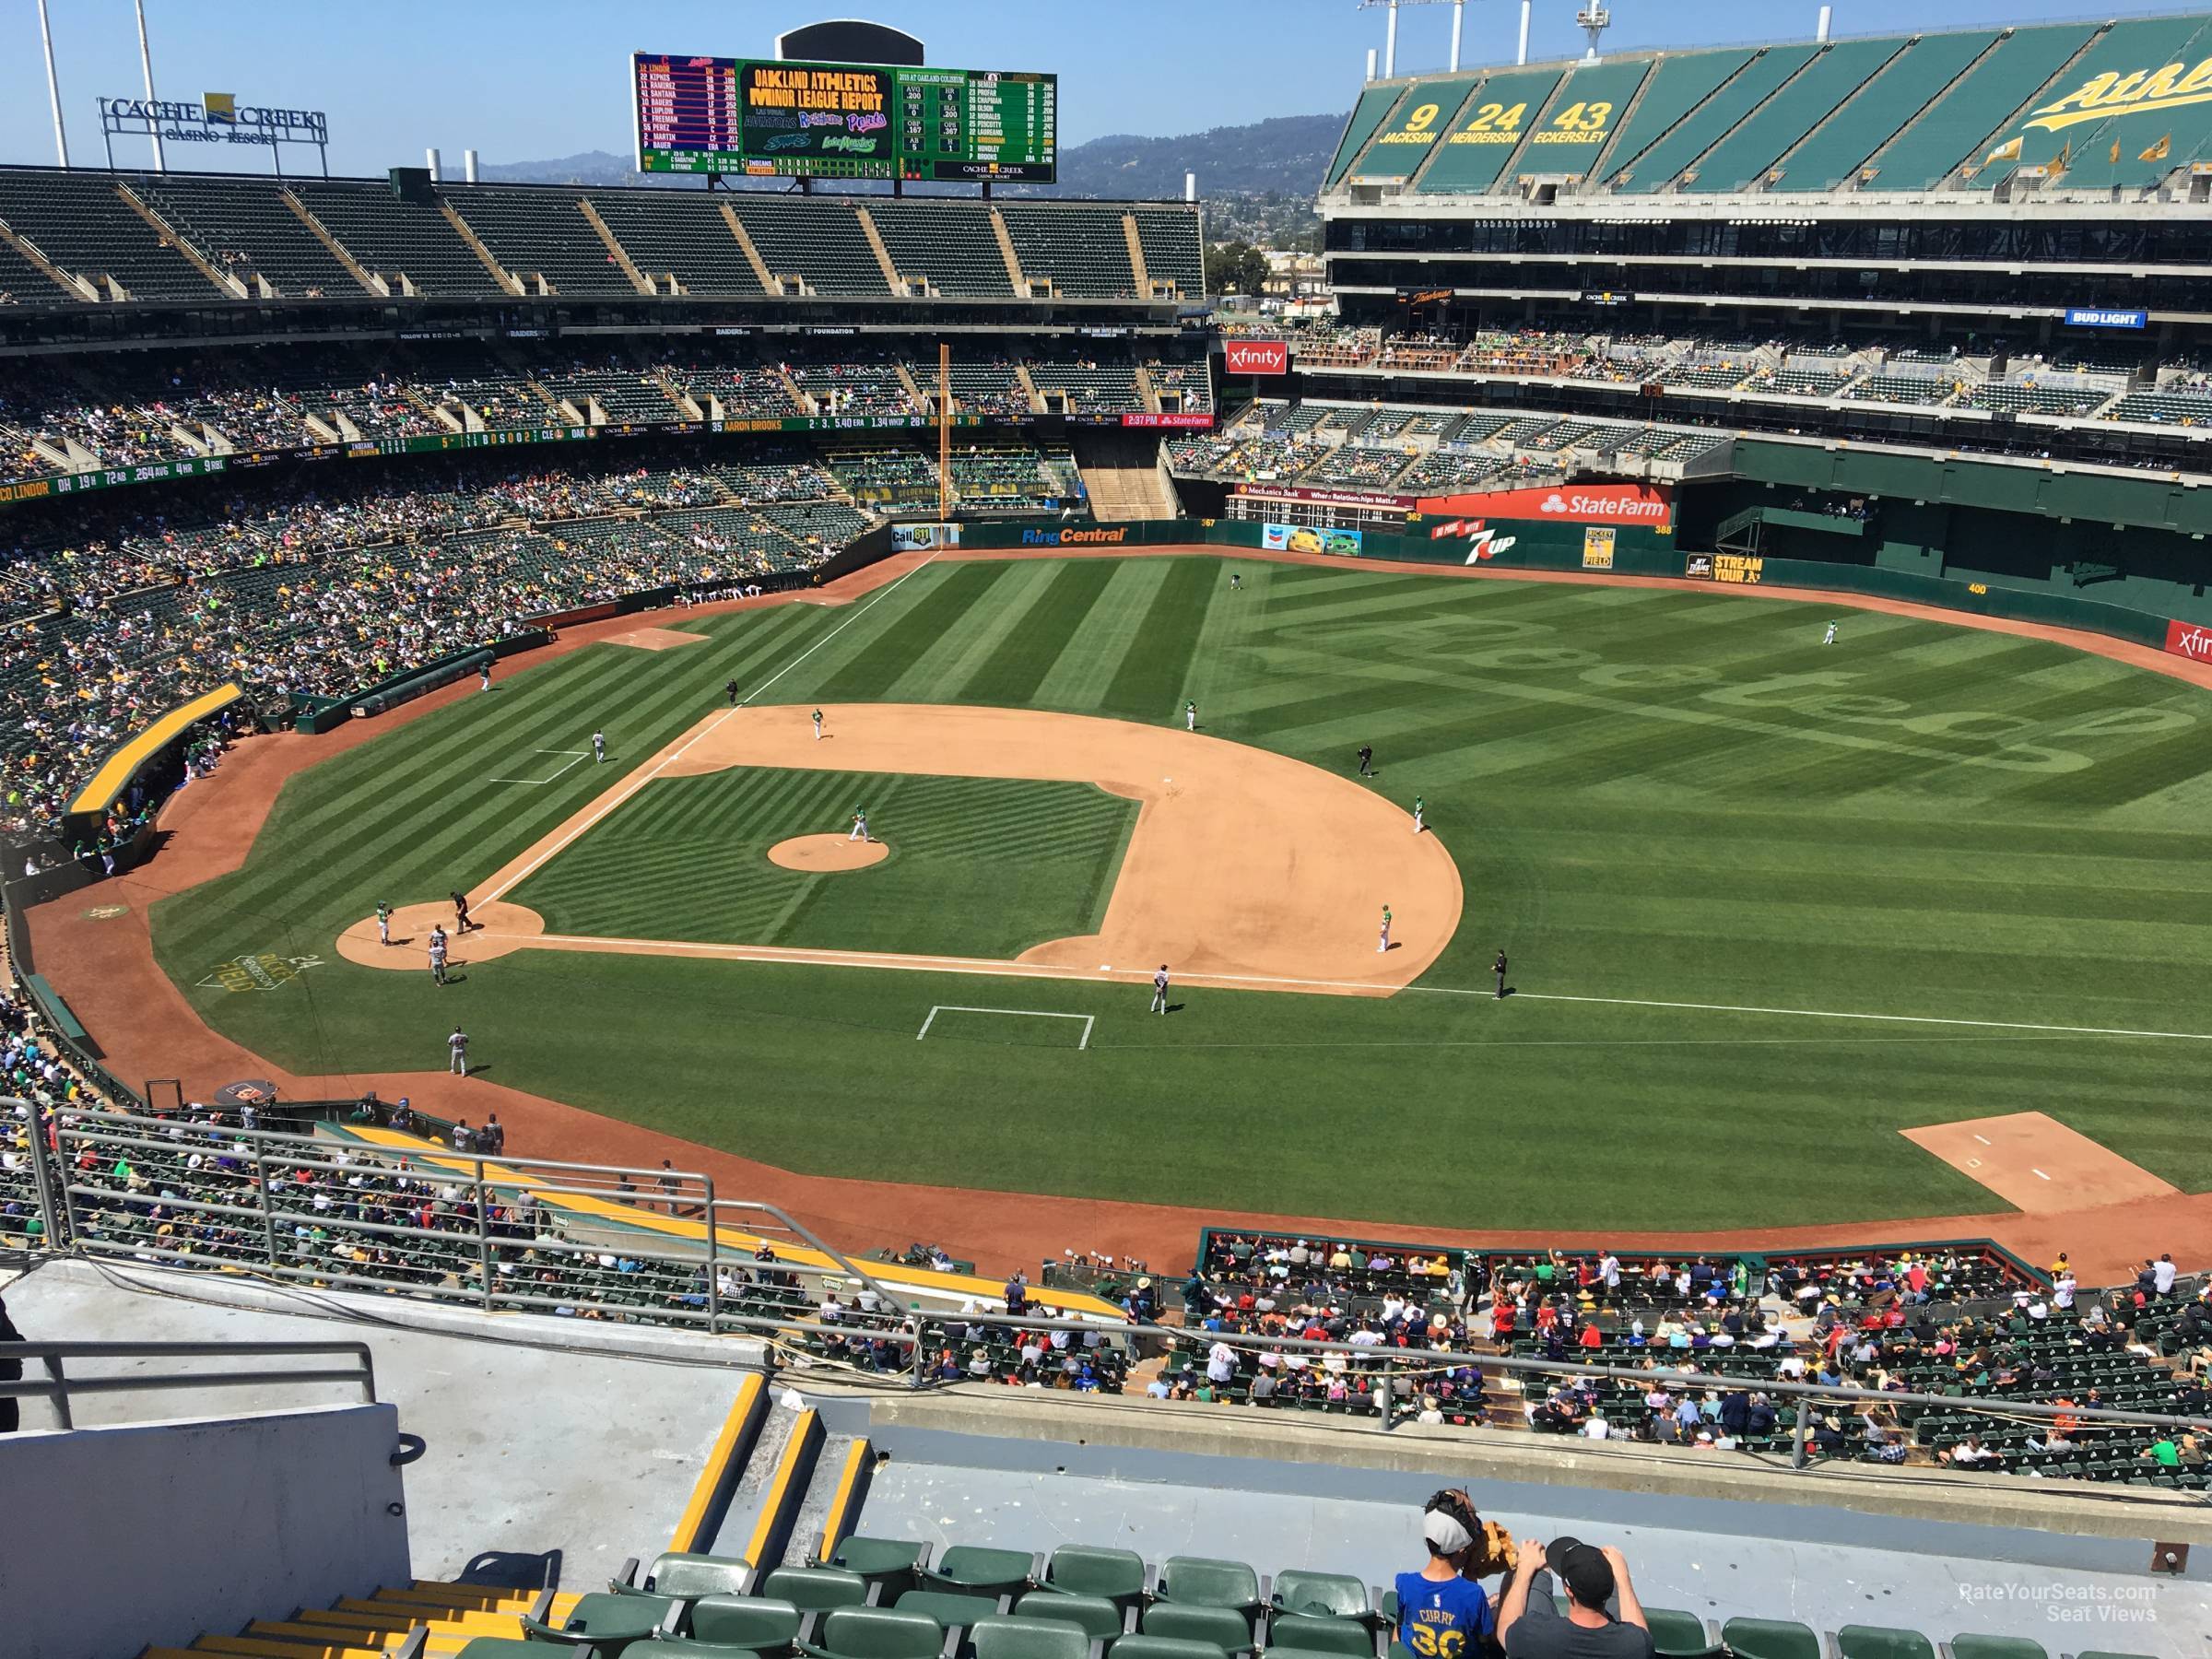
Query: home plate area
(1024,1027)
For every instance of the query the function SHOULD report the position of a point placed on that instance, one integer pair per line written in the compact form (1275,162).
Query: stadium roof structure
(2109,114)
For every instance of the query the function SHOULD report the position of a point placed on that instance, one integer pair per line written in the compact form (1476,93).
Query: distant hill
(1283,156)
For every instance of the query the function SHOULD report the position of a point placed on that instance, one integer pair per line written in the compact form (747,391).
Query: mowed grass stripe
(1078,678)
(980,866)
(1010,675)
(937,675)
(1150,684)
(911,627)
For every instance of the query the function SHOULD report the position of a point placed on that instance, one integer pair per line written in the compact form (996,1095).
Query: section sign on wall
(770,119)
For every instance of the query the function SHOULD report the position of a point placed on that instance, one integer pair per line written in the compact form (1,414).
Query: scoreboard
(770,119)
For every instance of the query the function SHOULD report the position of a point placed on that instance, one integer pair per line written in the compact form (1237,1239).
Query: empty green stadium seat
(499,1647)
(890,1561)
(1677,1635)
(1224,1627)
(606,1624)
(1100,1620)
(1335,1594)
(1091,1570)
(2003,1647)
(994,1638)
(1163,1647)
(817,1589)
(878,1633)
(1319,1633)
(1880,1641)
(981,1572)
(950,1608)
(1202,1582)
(757,1622)
(1771,1639)
(688,1577)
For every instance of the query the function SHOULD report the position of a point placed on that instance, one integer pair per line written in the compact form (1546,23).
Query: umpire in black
(1497,968)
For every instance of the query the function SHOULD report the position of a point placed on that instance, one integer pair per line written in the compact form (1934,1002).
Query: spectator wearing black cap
(1531,1626)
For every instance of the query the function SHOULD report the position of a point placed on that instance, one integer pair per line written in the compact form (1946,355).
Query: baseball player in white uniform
(1160,989)
(860,826)
(599,748)
(1190,717)
(1830,637)
(383,923)
(818,725)
(1383,943)
(1419,808)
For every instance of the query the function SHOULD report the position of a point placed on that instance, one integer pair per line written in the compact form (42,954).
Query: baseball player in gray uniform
(599,748)
(1160,989)
(458,1043)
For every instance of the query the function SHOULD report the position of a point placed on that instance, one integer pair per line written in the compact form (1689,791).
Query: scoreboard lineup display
(769,119)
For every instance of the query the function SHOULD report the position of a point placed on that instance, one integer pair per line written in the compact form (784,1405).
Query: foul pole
(944,432)
(145,61)
(53,88)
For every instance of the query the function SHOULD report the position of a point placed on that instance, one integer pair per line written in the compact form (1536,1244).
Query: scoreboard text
(769,119)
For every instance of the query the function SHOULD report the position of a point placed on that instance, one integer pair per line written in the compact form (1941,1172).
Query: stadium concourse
(103,964)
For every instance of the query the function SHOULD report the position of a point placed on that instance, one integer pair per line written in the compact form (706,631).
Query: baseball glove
(1495,1551)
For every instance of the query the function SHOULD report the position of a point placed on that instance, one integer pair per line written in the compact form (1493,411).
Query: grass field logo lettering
(262,970)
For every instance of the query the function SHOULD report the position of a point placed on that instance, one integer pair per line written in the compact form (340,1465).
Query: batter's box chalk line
(573,755)
(936,1008)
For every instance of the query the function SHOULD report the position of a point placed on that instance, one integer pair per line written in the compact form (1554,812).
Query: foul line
(637,780)
(577,754)
(937,1008)
(1992,1025)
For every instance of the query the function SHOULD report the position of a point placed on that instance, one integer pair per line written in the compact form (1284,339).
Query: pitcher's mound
(826,852)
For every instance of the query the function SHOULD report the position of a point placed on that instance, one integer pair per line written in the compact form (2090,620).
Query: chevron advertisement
(1650,505)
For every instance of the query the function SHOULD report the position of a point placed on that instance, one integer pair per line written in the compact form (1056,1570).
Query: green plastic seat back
(1880,1642)
(612,1620)
(1163,1647)
(1097,1618)
(686,1576)
(881,1633)
(501,1647)
(2001,1647)
(995,1638)
(973,1567)
(815,1589)
(1319,1633)
(1388,1605)
(1331,1595)
(1224,1627)
(878,1557)
(950,1608)
(2092,1654)
(1090,1570)
(1678,1635)
(1771,1639)
(1204,1582)
(744,1621)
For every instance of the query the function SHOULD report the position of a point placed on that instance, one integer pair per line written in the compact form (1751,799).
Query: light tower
(1459,7)
(1592,20)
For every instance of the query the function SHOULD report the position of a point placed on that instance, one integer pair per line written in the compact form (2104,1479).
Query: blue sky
(530,79)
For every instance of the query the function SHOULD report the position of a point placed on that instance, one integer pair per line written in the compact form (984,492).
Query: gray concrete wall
(116,1536)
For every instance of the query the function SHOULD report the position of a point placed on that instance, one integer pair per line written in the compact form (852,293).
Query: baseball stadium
(663,865)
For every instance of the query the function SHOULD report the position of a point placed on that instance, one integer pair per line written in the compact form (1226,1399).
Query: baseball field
(1766,903)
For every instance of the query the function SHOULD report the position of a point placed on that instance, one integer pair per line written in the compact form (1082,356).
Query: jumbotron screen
(770,119)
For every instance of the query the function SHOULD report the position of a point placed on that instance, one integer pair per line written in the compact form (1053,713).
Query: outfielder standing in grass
(1497,968)
(1190,717)
(458,1043)
(731,692)
(1160,989)
(599,748)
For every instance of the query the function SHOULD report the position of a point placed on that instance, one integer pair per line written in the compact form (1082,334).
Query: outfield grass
(1652,796)
(978,866)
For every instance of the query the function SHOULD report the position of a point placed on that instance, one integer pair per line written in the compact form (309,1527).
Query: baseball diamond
(1701,838)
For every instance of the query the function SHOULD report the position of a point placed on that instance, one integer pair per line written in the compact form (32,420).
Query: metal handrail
(58,1386)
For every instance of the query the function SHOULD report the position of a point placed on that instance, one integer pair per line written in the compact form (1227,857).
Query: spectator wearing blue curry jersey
(1441,1613)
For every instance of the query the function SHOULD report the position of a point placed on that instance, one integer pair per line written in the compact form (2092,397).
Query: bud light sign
(2093,316)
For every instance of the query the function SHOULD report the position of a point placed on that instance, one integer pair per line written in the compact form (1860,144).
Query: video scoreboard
(770,119)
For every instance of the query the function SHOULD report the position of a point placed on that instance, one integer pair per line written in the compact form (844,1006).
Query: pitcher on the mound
(1383,943)
(860,826)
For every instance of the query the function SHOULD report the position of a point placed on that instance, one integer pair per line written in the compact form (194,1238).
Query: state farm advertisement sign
(1256,356)
(1194,421)
(1647,504)
(2189,640)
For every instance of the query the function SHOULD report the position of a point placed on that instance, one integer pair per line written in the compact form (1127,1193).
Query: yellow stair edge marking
(265,1648)
(835,1524)
(777,1492)
(330,1637)
(715,1470)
